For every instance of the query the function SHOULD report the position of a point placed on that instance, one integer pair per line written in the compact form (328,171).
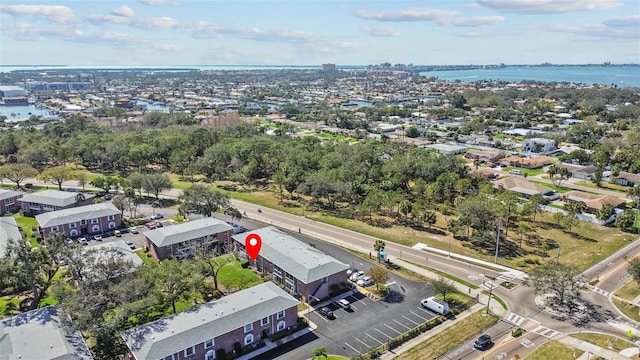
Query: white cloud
(413,14)
(624,21)
(621,29)
(53,13)
(158,2)
(107,19)
(548,6)
(381,31)
(144,23)
(123,10)
(472,21)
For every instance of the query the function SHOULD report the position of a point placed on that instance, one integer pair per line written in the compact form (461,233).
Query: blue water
(622,76)
(23,112)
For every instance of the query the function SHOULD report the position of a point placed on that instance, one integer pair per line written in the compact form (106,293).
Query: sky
(308,32)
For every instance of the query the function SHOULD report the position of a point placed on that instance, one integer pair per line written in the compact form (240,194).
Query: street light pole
(495,260)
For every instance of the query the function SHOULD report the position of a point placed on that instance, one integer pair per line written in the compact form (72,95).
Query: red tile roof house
(211,329)
(302,269)
(43,334)
(52,200)
(8,200)
(181,241)
(594,202)
(81,220)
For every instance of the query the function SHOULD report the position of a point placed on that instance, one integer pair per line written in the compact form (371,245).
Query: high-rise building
(328,67)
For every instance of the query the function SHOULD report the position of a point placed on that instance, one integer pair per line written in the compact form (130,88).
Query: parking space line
(410,320)
(354,349)
(399,333)
(379,342)
(353,307)
(355,299)
(401,324)
(424,310)
(417,315)
(363,343)
(322,317)
(382,333)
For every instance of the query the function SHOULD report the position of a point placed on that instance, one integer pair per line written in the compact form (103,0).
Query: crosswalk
(546,332)
(531,325)
(600,291)
(515,319)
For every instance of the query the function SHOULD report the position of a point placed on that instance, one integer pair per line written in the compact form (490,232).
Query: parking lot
(369,324)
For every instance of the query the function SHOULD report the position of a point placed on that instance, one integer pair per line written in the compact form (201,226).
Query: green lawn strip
(604,340)
(181,183)
(145,256)
(232,276)
(629,290)
(604,185)
(448,339)
(560,189)
(445,275)
(329,357)
(554,350)
(28,224)
(628,309)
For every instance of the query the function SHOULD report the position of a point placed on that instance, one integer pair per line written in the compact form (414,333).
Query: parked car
(133,230)
(131,245)
(326,312)
(344,303)
(82,241)
(151,225)
(117,233)
(351,271)
(239,229)
(108,197)
(436,305)
(159,224)
(357,276)
(97,238)
(157,216)
(483,342)
(365,281)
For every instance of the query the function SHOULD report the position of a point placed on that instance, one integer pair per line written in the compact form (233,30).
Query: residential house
(580,171)
(533,162)
(209,331)
(8,200)
(303,269)
(9,230)
(538,145)
(627,179)
(484,156)
(43,334)
(523,187)
(81,220)
(447,149)
(52,200)
(181,241)
(594,202)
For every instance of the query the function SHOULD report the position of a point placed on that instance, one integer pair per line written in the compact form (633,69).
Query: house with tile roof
(43,334)
(51,200)
(181,241)
(81,220)
(301,268)
(594,202)
(522,187)
(210,330)
(9,200)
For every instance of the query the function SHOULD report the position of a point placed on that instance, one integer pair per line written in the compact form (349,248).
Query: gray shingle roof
(304,262)
(76,214)
(8,230)
(195,229)
(41,334)
(167,336)
(6,193)
(53,197)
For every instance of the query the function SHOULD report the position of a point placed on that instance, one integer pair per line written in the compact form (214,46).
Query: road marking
(363,343)
(379,342)
(472,277)
(515,319)
(382,333)
(354,349)
(389,284)
(410,320)
(417,315)
(601,292)
(353,307)
(399,333)
(401,324)
(526,343)
(355,299)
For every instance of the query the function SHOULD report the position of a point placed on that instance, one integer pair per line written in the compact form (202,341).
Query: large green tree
(204,200)
(17,172)
(561,281)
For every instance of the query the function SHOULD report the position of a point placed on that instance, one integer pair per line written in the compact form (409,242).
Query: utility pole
(558,256)
(495,260)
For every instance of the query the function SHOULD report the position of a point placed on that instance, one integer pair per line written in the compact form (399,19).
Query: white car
(365,281)
(133,230)
(82,241)
(356,276)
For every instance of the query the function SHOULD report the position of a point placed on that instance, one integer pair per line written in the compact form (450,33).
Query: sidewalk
(592,350)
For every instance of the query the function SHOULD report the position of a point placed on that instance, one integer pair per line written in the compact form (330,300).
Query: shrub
(517,332)
(237,347)
(221,353)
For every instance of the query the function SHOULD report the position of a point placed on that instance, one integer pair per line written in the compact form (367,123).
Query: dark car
(239,229)
(326,312)
(483,342)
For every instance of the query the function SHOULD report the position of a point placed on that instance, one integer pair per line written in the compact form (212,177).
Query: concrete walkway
(591,350)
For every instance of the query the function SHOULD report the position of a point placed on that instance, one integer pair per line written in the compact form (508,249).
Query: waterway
(16,113)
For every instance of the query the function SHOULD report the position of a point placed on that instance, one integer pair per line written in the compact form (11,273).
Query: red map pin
(253,243)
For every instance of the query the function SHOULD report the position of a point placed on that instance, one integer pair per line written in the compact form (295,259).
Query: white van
(515,172)
(344,303)
(436,305)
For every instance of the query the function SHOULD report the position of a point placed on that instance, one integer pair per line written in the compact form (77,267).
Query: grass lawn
(8,306)
(557,189)
(629,291)
(232,277)
(628,309)
(330,357)
(448,339)
(178,182)
(27,224)
(604,340)
(145,256)
(554,350)
(604,185)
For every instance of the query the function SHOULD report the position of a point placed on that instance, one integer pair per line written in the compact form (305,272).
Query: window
(208,343)
(94,221)
(248,339)
(111,217)
(72,225)
(189,351)
(170,357)
(112,225)
(54,228)
(248,327)
(83,222)
(280,314)
(281,325)
(264,321)
(210,355)
(73,232)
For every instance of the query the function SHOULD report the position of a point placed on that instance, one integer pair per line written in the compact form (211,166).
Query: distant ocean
(622,76)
